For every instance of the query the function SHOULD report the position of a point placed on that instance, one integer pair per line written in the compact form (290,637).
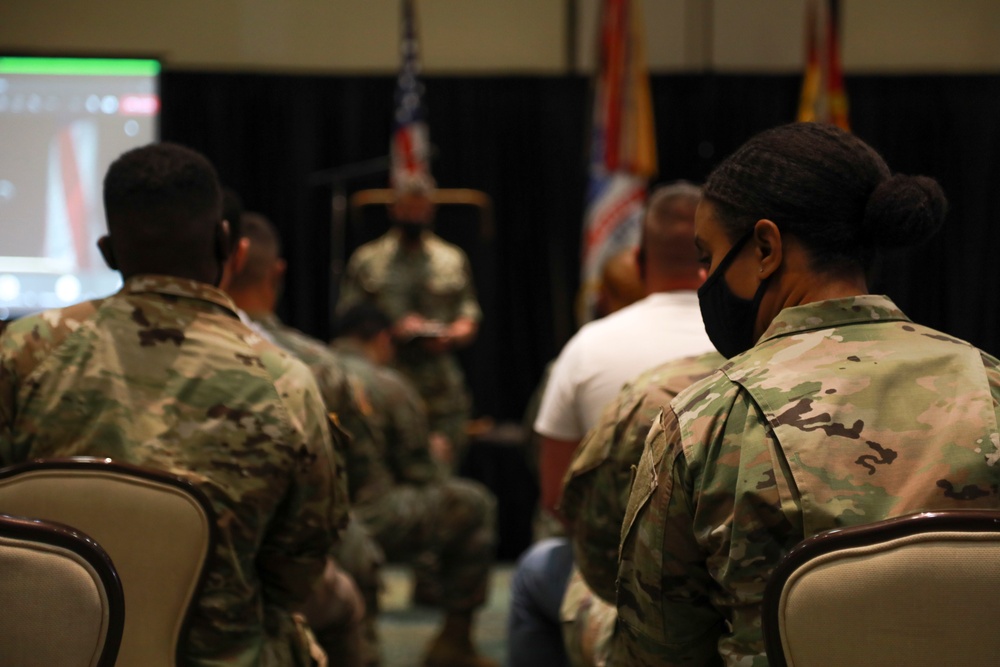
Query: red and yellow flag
(623,144)
(823,98)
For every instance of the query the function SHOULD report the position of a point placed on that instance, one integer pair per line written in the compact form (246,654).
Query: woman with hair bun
(833,410)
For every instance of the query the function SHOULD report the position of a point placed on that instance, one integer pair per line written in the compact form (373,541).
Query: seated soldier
(255,288)
(442,525)
(595,493)
(164,375)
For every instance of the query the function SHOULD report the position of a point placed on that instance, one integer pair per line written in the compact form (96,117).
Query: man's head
(257,285)
(164,211)
(666,250)
(412,209)
(366,324)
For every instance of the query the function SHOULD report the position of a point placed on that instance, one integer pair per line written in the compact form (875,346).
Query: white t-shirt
(606,353)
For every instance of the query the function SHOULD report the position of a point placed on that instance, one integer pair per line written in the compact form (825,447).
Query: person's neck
(253,302)
(800,290)
(411,243)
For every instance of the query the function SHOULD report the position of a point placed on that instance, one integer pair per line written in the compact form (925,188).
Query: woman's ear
(769,248)
(107,252)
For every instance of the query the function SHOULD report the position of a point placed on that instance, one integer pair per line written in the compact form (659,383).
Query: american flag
(409,148)
(623,146)
(823,98)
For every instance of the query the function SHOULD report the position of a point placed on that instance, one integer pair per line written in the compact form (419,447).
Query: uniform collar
(179,287)
(833,313)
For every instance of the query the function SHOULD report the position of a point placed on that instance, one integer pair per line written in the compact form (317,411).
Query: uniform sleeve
(24,344)
(596,486)
(8,390)
(351,292)
(665,614)
(315,507)
(408,442)
(469,304)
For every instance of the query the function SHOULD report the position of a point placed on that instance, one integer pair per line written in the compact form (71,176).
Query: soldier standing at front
(425,286)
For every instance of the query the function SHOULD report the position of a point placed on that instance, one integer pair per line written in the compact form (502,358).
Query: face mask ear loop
(730,257)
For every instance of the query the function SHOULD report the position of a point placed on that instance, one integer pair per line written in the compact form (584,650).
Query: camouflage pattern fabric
(588,624)
(445,527)
(358,553)
(845,412)
(446,530)
(595,494)
(164,375)
(398,452)
(343,397)
(436,283)
(596,487)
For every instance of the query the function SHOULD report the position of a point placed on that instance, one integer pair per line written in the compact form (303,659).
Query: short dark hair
(828,189)
(363,320)
(164,204)
(264,250)
(163,184)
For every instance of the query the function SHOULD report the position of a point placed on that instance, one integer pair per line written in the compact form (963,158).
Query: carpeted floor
(405,629)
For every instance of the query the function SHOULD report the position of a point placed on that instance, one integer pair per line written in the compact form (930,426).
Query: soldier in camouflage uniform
(594,496)
(255,288)
(834,408)
(164,375)
(443,525)
(398,493)
(425,285)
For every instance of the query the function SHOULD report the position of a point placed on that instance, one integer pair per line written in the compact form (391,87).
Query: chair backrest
(914,591)
(158,529)
(61,603)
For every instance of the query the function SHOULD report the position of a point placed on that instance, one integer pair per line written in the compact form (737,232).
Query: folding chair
(61,602)
(914,591)
(159,530)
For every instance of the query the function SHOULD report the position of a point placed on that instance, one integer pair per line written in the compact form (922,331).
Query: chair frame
(101,464)
(64,537)
(961,520)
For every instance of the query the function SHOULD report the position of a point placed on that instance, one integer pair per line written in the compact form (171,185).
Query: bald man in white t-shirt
(591,369)
(607,353)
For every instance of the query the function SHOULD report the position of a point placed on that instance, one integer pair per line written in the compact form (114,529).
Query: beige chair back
(157,528)
(916,591)
(61,603)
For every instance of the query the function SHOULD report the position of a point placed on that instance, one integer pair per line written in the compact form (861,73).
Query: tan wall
(501,36)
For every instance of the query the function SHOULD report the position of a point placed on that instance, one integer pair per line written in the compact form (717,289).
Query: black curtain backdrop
(523,140)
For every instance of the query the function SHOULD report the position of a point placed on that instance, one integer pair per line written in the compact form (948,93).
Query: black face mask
(729,319)
(411,230)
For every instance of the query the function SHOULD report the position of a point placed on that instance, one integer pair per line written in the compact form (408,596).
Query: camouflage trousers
(445,530)
(588,624)
(360,556)
(441,384)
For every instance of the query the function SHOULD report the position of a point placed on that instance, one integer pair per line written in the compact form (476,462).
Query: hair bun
(904,210)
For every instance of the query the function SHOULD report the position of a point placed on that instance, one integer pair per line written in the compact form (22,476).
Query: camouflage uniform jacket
(597,483)
(343,394)
(845,412)
(400,453)
(164,375)
(435,282)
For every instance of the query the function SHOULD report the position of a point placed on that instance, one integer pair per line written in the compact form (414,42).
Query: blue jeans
(534,633)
